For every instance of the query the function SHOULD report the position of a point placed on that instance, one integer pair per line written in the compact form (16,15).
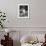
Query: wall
(36,21)
(37,13)
(17,35)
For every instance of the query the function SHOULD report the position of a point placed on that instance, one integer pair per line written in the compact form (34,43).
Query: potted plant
(2,19)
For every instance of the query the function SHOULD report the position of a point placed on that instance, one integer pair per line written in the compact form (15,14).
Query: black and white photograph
(23,11)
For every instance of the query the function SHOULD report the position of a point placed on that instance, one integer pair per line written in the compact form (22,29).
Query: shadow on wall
(16,43)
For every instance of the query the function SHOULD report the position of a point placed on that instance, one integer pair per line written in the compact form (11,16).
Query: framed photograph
(23,10)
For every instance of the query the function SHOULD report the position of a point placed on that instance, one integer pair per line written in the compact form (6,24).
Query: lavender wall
(17,35)
(37,13)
